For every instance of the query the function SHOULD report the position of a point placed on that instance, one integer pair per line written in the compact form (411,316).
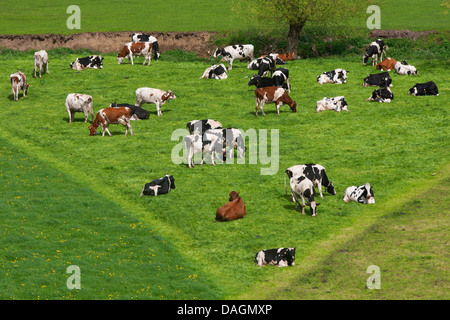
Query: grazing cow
(424,89)
(337,104)
(94,62)
(266,65)
(239,52)
(110,115)
(281,77)
(156,96)
(201,126)
(381,95)
(375,52)
(233,210)
(208,143)
(40,61)
(302,187)
(276,95)
(232,138)
(139,37)
(18,82)
(136,49)
(378,80)
(137,113)
(76,102)
(334,76)
(387,64)
(361,194)
(281,257)
(404,69)
(159,186)
(216,71)
(314,172)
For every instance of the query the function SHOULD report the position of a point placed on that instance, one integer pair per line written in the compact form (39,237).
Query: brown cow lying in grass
(235,209)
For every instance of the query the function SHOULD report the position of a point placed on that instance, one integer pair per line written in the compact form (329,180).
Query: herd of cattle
(209,137)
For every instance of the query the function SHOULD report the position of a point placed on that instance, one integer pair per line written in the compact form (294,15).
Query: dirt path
(106,42)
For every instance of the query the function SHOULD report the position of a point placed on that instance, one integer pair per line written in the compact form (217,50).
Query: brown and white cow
(18,82)
(276,95)
(76,102)
(235,209)
(156,96)
(387,64)
(40,61)
(104,117)
(136,49)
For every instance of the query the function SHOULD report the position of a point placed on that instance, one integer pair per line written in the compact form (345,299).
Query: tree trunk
(295,28)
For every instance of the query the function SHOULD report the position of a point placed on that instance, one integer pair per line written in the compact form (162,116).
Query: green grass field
(69,198)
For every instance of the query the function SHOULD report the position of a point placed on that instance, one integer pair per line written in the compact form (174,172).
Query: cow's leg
(128,125)
(40,71)
(288,85)
(158,109)
(257,105)
(149,56)
(278,109)
(230,65)
(130,57)
(105,126)
(46,68)
(34,70)
(261,106)
(86,116)
(319,186)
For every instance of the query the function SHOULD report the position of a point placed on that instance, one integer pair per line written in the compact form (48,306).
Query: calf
(137,113)
(381,95)
(111,115)
(424,89)
(159,186)
(281,257)
(76,102)
(40,61)
(375,52)
(276,95)
(139,37)
(239,52)
(136,49)
(302,187)
(387,64)
(314,172)
(337,104)
(94,62)
(378,79)
(404,69)
(334,76)
(155,96)
(18,82)
(361,194)
(233,210)
(208,143)
(201,126)
(215,72)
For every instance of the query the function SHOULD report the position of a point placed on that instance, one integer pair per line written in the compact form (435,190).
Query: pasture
(73,199)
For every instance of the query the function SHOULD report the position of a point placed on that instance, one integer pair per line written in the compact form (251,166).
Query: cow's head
(172,182)
(119,60)
(168,96)
(313,208)
(25,89)
(254,80)
(365,59)
(293,106)
(98,60)
(93,131)
(330,189)
(218,52)
(233,195)
(413,91)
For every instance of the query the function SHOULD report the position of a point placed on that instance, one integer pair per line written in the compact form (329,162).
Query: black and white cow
(334,76)
(281,257)
(336,103)
(375,52)
(140,37)
(381,95)
(159,186)
(361,194)
(254,64)
(232,139)
(208,143)
(281,77)
(217,71)
(378,79)
(403,68)
(266,65)
(424,89)
(94,61)
(137,113)
(314,172)
(201,126)
(303,188)
(239,52)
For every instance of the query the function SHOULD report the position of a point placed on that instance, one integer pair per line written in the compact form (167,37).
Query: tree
(296,13)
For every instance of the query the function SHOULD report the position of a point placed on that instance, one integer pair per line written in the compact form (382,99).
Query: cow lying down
(381,95)
(337,104)
(233,210)
(281,257)
(217,71)
(159,186)
(361,194)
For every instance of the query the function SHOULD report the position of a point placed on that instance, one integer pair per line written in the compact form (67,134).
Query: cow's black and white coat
(338,76)
(159,186)
(378,79)
(239,52)
(201,126)
(403,68)
(94,62)
(361,194)
(424,89)
(208,143)
(280,78)
(266,65)
(232,139)
(314,172)
(336,103)
(137,113)
(281,257)
(140,37)
(217,71)
(375,51)
(303,188)
(381,95)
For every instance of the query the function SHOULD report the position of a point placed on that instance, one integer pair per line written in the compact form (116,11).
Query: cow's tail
(288,172)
